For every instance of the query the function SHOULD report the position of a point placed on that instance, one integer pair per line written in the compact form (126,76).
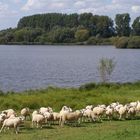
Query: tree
(136,26)
(123,24)
(82,35)
(105,68)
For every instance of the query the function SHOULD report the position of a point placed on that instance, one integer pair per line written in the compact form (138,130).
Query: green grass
(76,98)
(114,130)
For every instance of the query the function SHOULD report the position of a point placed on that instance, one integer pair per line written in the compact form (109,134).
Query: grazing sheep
(89,107)
(109,112)
(98,111)
(56,116)
(37,119)
(9,112)
(42,110)
(132,112)
(25,112)
(70,116)
(122,111)
(2,118)
(12,122)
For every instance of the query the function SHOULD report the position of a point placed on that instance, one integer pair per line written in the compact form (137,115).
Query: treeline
(75,28)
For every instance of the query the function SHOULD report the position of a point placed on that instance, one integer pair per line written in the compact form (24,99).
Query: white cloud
(80,4)
(135,9)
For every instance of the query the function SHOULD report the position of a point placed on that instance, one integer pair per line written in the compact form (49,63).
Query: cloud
(136,9)
(16,9)
(32,5)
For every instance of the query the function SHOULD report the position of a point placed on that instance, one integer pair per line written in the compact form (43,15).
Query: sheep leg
(120,117)
(2,128)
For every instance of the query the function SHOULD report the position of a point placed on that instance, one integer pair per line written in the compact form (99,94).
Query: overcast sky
(12,10)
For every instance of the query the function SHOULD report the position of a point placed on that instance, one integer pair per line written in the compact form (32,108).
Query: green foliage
(84,28)
(121,42)
(136,26)
(82,35)
(134,42)
(122,24)
(91,93)
(59,35)
(105,68)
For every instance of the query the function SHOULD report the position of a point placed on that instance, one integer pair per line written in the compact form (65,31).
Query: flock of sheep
(9,118)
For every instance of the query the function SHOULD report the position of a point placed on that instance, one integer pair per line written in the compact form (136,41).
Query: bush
(134,42)
(82,35)
(88,86)
(122,42)
(92,41)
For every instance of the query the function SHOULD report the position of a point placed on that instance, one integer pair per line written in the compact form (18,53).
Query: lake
(31,67)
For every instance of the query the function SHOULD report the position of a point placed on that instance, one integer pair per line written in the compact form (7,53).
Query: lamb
(25,112)
(12,122)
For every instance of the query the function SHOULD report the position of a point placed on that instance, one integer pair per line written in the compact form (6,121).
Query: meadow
(76,98)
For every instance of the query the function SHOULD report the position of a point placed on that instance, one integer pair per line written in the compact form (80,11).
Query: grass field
(76,98)
(114,130)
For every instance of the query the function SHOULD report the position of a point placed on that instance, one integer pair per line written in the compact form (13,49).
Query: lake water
(31,67)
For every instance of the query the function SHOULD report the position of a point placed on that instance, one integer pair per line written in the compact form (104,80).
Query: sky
(12,10)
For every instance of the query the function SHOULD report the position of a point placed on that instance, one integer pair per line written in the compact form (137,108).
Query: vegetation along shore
(85,28)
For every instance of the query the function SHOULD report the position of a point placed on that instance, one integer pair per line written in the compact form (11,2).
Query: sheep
(65,109)
(42,110)
(98,111)
(89,107)
(9,112)
(86,114)
(70,116)
(122,111)
(25,112)
(12,122)
(48,116)
(109,112)
(37,119)
(132,112)
(56,116)
(2,118)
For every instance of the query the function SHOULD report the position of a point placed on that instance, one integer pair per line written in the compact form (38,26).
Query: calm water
(29,67)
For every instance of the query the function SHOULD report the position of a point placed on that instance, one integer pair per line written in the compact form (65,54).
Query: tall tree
(123,24)
(136,26)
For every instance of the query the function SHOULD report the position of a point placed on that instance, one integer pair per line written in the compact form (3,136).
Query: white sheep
(99,111)
(109,112)
(2,118)
(25,112)
(37,119)
(122,111)
(70,116)
(12,122)
(9,112)
(42,110)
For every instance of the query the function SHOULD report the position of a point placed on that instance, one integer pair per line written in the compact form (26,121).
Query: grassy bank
(76,98)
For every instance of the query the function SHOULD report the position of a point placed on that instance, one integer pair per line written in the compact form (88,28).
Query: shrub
(134,42)
(122,42)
